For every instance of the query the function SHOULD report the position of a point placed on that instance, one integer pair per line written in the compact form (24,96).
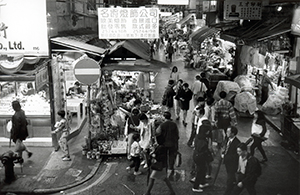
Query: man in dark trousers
(231,157)
(167,134)
(249,169)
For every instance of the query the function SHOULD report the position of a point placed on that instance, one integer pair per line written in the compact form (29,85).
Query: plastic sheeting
(244,82)
(230,87)
(245,101)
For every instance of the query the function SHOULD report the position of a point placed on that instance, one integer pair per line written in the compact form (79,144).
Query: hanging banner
(128,23)
(23,27)
(173,2)
(242,9)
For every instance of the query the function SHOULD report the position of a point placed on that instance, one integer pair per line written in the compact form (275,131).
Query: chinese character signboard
(239,9)
(296,22)
(128,23)
(172,2)
(23,27)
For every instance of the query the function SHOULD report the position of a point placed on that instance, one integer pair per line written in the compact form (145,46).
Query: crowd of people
(212,121)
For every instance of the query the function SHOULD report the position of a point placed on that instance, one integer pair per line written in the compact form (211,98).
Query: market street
(279,177)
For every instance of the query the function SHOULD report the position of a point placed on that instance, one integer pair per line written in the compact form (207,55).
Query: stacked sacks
(245,101)
(230,87)
(276,99)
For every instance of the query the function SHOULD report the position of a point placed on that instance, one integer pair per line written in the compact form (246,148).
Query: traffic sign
(87,71)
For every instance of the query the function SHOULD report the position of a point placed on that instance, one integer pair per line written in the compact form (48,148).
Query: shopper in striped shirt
(224,113)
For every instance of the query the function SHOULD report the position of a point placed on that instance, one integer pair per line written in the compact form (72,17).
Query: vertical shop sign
(41,78)
(128,23)
(296,22)
(248,10)
(23,27)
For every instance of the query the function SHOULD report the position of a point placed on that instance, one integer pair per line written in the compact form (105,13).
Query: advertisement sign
(296,22)
(128,23)
(172,2)
(23,27)
(209,6)
(242,9)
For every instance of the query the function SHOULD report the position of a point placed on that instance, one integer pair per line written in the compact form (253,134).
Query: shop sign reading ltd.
(128,23)
(23,27)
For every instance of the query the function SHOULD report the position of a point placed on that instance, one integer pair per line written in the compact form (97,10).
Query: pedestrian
(63,127)
(131,127)
(224,113)
(200,157)
(185,95)
(170,50)
(152,50)
(19,131)
(199,89)
(168,96)
(259,133)
(249,169)
(174,75)
(204,80)
(177,89)
(265,82)
(135,153)
(167,135)
(159,158)
(146,133)
(197,114)
(231,158)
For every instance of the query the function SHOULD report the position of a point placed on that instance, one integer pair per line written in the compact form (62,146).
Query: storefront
(31,88)
(70,94)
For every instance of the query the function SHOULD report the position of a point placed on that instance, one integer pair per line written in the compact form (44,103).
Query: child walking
(62,126)
(135,155)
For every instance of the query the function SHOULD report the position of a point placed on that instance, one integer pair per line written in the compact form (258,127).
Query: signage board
(209,6)
(296,22)
(41,78)
(172,2)
(242,9)
(87,71)
(23,27)
(128,23)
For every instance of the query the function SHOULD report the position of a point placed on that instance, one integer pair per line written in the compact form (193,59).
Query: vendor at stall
(265,82)
(76,89)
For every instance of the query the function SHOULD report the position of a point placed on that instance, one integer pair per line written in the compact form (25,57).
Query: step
(35,141)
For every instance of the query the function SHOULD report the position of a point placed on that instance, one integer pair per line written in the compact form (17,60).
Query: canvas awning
(201,34)
(259,31)
(137,65)
(185,19)
(135,46)
(77,45)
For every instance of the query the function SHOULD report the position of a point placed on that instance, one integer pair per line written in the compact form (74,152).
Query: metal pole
(89,115)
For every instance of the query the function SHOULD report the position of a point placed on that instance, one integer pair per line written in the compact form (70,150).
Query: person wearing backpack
(249,169)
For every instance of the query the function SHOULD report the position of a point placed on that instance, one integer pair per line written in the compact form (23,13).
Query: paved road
(280,174)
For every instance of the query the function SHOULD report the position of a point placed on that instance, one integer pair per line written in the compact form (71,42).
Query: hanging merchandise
(246,54)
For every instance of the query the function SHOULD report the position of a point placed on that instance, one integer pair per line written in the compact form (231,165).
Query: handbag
(157,166)
(178,159)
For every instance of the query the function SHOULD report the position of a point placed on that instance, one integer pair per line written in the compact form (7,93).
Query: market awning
(201,34)
(259,31)
(137,47)
(186,19)
(293,79)
(137,65)
(78,45)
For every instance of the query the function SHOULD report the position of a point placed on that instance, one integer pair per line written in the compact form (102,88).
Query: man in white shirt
(198,87)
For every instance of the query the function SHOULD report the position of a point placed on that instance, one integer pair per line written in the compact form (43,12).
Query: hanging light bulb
(279,8)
